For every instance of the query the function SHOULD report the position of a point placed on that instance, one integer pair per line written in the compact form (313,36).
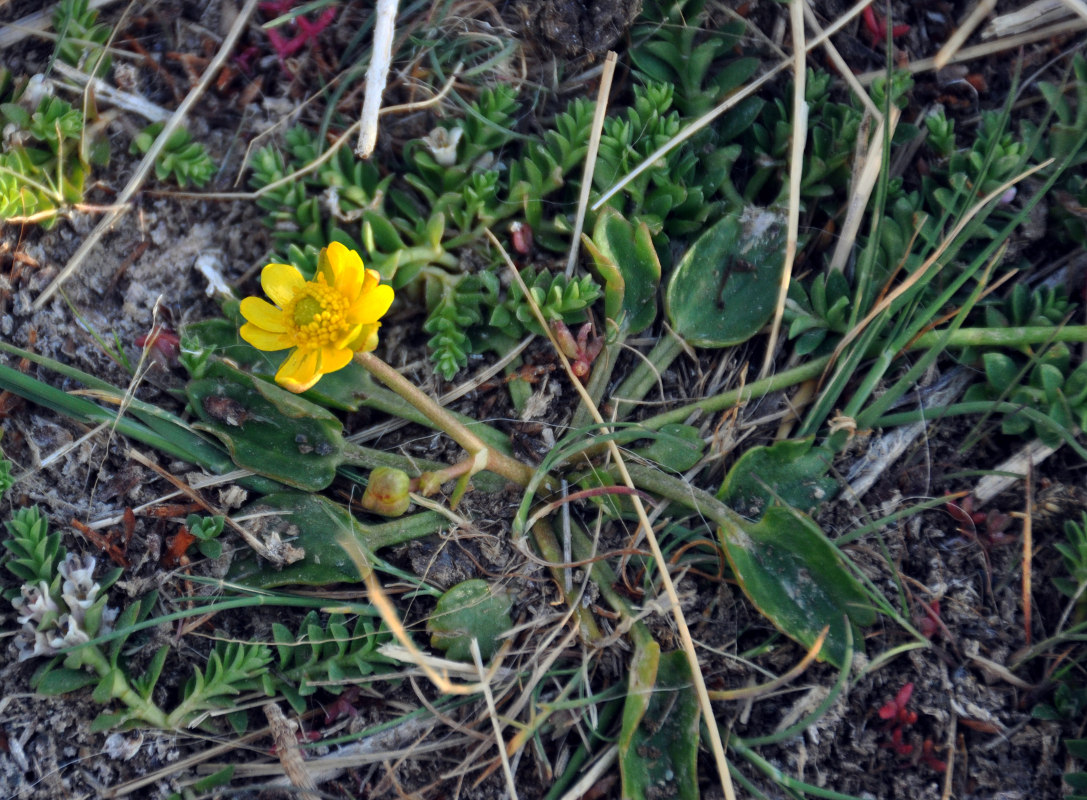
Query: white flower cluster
(49,626)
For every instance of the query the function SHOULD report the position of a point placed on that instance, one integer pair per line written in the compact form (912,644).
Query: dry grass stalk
(377,75)
(1028,552)
(1041,12)
(287,749)
(861,190)
(840,64)
(1078,7)
(984,50)
(590,157)
(477,658)
(962,33)
(796,174)
(752,692)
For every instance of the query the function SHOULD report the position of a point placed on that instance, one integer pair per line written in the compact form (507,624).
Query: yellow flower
(327,320)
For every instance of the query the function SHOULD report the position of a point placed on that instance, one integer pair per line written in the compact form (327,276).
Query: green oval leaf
(794,576)
(725,287)
(791,470)
(314,523)
(267,429)
(63,680)
(470,610)
(659,747)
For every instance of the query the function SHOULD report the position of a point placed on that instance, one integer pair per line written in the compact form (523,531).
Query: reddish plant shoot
(876,25)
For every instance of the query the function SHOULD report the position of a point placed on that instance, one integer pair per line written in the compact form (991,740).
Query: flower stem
(486,458)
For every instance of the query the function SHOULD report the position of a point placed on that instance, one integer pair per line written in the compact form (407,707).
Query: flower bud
(387,492)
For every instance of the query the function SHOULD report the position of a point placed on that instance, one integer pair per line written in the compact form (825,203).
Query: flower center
(317,314)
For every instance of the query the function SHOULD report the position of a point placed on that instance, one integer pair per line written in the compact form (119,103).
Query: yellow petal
(371,306)
(264,339)
(299,371)
(263,314)
(367,338)
(333,359)
(339,258)
(348,284)
(348,336)
(281,282)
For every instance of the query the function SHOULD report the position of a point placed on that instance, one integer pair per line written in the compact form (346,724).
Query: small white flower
(79,590)
(109,616)
(35,603)
(73,634)
(32,643)
(442,144)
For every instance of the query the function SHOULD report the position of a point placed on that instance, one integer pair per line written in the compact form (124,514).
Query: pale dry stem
(962,33)
(796,174)
(599,114)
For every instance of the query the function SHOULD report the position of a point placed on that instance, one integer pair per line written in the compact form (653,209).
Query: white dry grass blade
(488,696)
(962,33)
(1013,470)
(456,393)
(840,64)
(127,101)
(439,677)
(861,191)
(148,161)
(1078,6)
(601,767)
(796,174)
(590,157)
(1037,14)
(728,103)
(645,529)
(1060,29)
(377,74)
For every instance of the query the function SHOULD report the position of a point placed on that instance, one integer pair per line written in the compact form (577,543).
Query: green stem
(725,400)
(964,337)
(984,407)
(646,375)
(548,545)
(121,690)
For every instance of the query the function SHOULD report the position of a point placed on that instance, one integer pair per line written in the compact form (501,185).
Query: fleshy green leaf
(662,750)
(792,470)
(725,287)
(470,610)
(795,577)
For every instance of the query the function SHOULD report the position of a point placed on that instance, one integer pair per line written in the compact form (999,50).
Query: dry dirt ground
(46,749)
